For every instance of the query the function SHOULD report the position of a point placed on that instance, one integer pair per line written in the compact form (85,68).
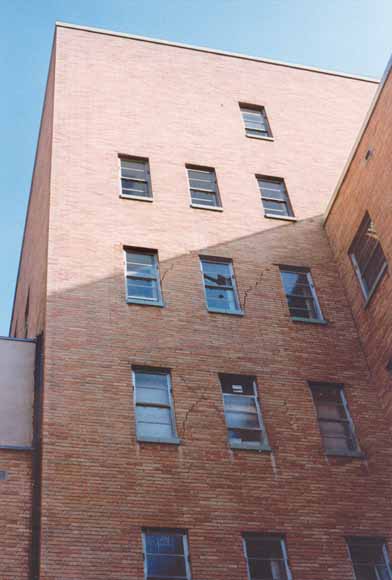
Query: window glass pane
(156,415)
(161,543)
(272,188)
(203,198)
(240,403)
(152,380)
(374,267)
(141,264)
(291,280)
(368,559)
(134,170)
(130,187)
(200,175)
(221,299)
(142,289)
(275,207)
(257,132)
(166,566)
(267,570)
(302,307)
(217,273)
(246,436)
(242,420)
(147,395)
(337,436)
(157,430)
(240,384)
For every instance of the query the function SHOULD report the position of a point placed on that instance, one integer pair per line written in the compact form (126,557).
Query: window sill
(136,197)
(262,137)
(229,312)
(348,455)
(248,447)
(375,285)
(170,441)
(287,218)
(309,320)
(145,303)
(208,207)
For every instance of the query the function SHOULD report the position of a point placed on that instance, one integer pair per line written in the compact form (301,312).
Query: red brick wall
(367,188)
(176,106)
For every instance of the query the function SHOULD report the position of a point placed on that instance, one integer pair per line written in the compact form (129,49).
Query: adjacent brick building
(196,329)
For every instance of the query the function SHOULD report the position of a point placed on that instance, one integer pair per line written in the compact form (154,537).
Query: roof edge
(358,140)
(215,51)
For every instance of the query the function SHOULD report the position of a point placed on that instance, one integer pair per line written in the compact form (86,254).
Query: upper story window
(274,197)
(154,407)
(219,285)
(135,178)
(203,187)
(255,121)
(370,558)
(166,555)
(368,257)
(301,294)
(266,557)
(242,412)
(143,285)
(336,426)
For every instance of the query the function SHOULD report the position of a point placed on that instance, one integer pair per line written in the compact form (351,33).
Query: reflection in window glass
(203,187)
(219,285)
(300,293)
(166,555)
(135,178)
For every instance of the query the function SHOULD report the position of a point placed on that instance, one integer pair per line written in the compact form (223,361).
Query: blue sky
(346,35)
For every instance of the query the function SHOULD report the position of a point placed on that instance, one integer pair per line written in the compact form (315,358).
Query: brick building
(208,409)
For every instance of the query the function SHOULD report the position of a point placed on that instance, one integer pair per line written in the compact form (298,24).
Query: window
(242,412)
(203,187)
(135,178)
(370,559)
(336,426)
(274,197)
(143,284)
(367,257)
(256,122)
(154,405)
(266,557)
(301,294)
(219,285)
(166,555)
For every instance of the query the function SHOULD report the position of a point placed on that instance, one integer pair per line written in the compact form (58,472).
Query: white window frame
(324,385)
(166,531)
(157,277)
(263,443)
(209,171)
(267,537)
(383,546)
(147,181)
(256,133)
(299,270)
(155,371)
(214,260)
